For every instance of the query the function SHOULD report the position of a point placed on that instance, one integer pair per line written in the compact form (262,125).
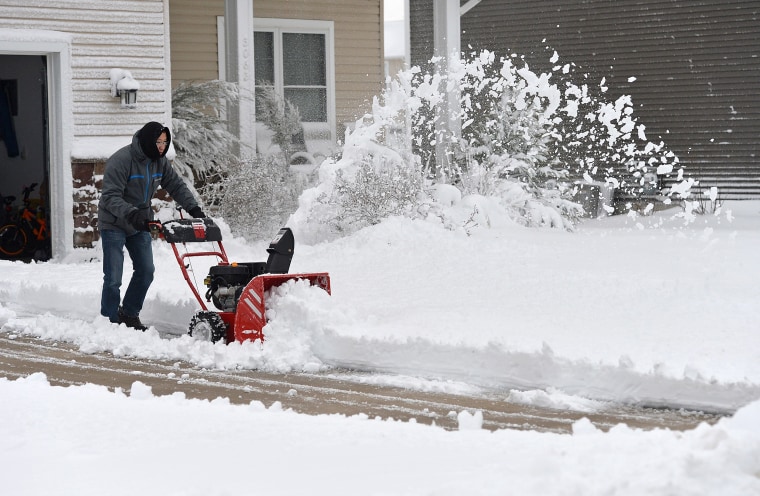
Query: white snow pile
(86,440)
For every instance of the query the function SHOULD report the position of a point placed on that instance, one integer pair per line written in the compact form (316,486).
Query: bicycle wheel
(12,240)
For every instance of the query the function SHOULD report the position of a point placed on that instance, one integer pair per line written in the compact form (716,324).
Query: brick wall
(88,181)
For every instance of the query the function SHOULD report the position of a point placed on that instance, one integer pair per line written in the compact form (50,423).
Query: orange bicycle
(28,234)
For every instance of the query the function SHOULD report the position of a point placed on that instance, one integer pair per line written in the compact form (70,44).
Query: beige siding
(358,47)
(194,39)
(358,44)
(106,34)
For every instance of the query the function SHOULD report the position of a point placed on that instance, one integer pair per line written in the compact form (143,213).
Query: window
(294,57)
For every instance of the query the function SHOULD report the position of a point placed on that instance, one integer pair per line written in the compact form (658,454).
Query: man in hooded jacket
(132,176)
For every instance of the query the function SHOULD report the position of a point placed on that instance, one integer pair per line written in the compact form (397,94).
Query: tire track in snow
(340,392)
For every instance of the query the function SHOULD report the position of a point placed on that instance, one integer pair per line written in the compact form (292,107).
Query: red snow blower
(239,289)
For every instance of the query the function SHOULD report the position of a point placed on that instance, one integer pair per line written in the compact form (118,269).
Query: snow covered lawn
(650,310)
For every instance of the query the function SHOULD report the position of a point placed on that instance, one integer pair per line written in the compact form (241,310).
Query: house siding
(696,66)
(194,39)
(421,33)
(105,34)
(358,44)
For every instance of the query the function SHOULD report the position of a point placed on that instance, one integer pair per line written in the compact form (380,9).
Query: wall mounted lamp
(124,86)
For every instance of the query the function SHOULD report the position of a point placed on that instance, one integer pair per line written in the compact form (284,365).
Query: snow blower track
(311,394)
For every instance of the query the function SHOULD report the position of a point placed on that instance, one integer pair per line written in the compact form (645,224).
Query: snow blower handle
(156,229)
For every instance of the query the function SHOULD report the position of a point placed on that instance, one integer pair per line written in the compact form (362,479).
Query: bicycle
(28,234)
(7,205)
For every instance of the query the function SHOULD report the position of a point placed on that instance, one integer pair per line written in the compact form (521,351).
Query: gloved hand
(197,213)
(138,218)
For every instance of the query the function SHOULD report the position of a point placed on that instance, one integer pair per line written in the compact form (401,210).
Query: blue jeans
(140,251)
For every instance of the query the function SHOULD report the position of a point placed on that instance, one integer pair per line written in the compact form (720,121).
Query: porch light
(124,86)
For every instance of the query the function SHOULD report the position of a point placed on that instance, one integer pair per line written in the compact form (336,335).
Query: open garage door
(24,157)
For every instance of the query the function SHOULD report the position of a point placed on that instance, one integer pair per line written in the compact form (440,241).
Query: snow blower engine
(238,289)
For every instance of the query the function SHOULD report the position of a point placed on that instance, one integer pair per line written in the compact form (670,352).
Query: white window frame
(326,28)
(279,26)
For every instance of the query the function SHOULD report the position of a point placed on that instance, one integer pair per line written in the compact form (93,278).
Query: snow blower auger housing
(237,290)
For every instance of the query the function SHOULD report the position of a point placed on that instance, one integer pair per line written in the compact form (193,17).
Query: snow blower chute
(238,290)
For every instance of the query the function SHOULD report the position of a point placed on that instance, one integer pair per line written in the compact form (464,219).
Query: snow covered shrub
(254,196)
(280,116)
(375,176)
(507,127)
(369,182)
(707,202)
(526,140)
(211,188)
(508,136)
(257,196)
(375,191)
(204,145)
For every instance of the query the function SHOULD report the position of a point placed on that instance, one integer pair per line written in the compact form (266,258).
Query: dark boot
(133,322)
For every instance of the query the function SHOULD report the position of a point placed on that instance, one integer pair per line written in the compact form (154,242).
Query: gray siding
(420,32)
(696,64)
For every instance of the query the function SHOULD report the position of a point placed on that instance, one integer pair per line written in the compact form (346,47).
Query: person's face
(161,143)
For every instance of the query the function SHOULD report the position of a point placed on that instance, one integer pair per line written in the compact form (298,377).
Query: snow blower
(238,290)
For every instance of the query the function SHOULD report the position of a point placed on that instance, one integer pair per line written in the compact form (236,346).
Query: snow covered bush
(254,196)
(205,147)
(526,143)
(373,179)
(257,196)
(508,139)
(280,116)
(375,191)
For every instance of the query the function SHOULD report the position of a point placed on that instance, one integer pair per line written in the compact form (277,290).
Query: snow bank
(143,444)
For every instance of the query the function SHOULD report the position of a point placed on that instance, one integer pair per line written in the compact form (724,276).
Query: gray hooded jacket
(130,181)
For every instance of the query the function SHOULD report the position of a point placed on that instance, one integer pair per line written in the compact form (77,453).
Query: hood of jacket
(146,139)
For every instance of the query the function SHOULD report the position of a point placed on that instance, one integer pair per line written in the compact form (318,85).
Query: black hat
(147,137)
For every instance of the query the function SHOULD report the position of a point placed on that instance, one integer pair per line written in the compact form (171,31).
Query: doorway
(25,147)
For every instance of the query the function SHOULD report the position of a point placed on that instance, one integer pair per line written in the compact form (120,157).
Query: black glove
(197,213)
(138,218)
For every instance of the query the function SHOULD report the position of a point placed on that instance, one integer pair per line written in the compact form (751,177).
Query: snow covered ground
(653,310)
